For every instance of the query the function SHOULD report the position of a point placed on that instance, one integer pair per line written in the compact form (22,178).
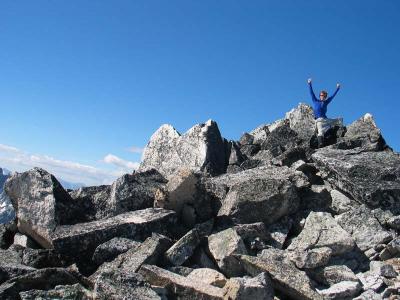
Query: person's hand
(338,85)
(309,80)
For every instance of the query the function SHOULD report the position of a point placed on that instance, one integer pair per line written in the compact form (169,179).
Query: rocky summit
(269,216)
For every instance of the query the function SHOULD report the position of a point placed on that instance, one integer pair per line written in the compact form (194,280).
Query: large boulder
(364,228)
(257,288)
(365,134)
(321,230)
(286,278)
(201,148)
(262,194)
(129,192)
(41,204)
(222,246)
(301,120)
(372,178)
(180,286)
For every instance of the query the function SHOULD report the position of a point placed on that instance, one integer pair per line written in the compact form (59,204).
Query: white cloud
(135,149)
(119,162)
(18,160)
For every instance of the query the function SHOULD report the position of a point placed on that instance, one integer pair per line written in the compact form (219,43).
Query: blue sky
(82,83)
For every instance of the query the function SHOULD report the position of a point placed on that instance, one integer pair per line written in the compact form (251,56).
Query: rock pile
(266,217)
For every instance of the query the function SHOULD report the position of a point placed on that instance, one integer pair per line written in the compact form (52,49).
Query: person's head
(323,95)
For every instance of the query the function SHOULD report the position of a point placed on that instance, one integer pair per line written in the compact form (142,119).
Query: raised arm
(334,94)
(311,90)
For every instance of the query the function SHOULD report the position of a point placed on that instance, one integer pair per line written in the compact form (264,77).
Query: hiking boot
(320,141)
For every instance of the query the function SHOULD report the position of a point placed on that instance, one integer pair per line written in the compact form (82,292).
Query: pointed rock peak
(165,130)
(368,118)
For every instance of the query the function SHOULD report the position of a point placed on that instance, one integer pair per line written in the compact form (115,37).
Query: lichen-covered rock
(185,246)
(365,134)
(222,245)
(201,148)
(73,240)
(372,178)
(301,120)
(112,248)
(280,140)
(313,258)
(117,284)
(262,194)
(11,265)
(364,228)
(321,230)
(341,203)
(341,290)
(75,291)
(44,258)
(333,274)
(41,204)
(148,252)
(208,276)
(43,279)
(256,288)
(180,286)
(286,278)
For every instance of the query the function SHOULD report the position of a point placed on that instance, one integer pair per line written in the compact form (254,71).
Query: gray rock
(44,258)
(116,284)
(236,157)
(369,295)
(301,120)
(75,291)
(208,276)
(394,247)
(371,281)
(312,258)
(280,140)
(201,259)
(383,269)
(183,191)
(76,239)
(257,288)
(341,203)
(286,278)
(41,204)
(260,134)
(246,139)
(181,270)
(279,232)
(394,222)
(321,230)
(180,286)
(184,248)
(24,241)
(342,290)
(365,134)
(11,265)
(149,252)
(316,198)
(112,248)
(7,232)
(7,211)
(372,178)
(43,279)
(262,194)
(222,246)
(333,274)
(253,233)
(201,148)
(363,227)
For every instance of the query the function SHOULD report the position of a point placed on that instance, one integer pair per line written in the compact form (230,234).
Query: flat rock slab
(256,288)
(117,284)
(372,178)
(180,286)
(321,230)
(76,239)
(262,194)
(331,275)
(284,275)
(208,276)
(75,291)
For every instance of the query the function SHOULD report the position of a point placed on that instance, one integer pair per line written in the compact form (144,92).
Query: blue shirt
(320,106)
